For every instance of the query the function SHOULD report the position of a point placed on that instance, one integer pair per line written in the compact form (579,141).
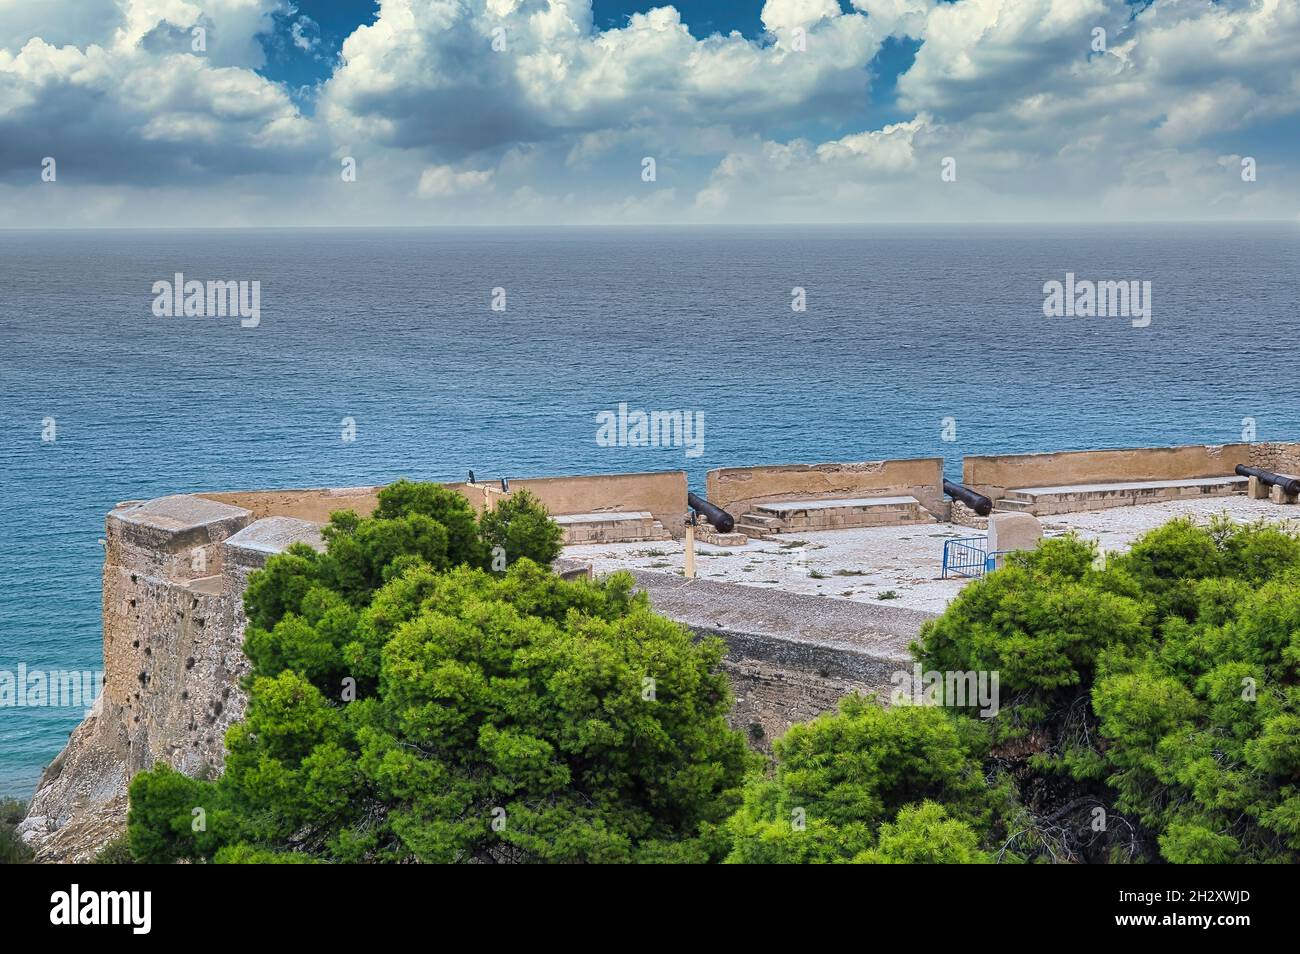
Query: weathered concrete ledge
(791,656)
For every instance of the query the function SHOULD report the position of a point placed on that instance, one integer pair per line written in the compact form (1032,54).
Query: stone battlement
(175,570)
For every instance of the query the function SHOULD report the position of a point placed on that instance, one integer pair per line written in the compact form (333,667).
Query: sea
(428,353)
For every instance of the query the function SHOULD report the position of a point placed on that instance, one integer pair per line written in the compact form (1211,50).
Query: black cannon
(724,522)
(1289,485)
(977,502)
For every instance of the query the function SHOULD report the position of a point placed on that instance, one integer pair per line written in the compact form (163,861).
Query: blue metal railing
(965,557)
(969,557)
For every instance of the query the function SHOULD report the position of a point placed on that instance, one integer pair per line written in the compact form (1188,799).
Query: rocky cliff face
(174,575)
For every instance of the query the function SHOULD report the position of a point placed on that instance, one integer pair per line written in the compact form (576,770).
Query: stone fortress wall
(175,569)
(661,493)
(738,489)
(173,635)
(994,475)
(1279,457)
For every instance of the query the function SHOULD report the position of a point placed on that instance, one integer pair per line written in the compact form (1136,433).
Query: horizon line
(631,227)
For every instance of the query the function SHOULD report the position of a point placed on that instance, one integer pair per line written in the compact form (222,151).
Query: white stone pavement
(899,564)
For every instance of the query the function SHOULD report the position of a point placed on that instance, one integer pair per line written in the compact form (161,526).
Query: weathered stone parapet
(173,661)
(250,548)
(791,656)
(313,504)
(740,489)
(1281,457)
(995,475)
(661,493)
(172,538)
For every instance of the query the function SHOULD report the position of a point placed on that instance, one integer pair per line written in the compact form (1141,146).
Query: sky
(524,112)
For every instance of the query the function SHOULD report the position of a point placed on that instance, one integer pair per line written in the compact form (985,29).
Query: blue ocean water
(904,327)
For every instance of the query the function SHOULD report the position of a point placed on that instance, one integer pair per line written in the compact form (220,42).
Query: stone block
(707,534)
(1013,531)
(570,569)
(1280,496)
(964,516)
(249,549)
(172,538)
(611,527)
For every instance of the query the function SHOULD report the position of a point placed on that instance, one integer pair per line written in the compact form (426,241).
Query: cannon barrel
(1289,485)
(977,502)
(715,515)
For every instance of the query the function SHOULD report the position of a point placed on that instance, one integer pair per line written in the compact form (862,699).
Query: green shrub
(924,835)
(12,849)
(522,529)
(400,710)
(842,777)
(116,852)
(1161,691)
